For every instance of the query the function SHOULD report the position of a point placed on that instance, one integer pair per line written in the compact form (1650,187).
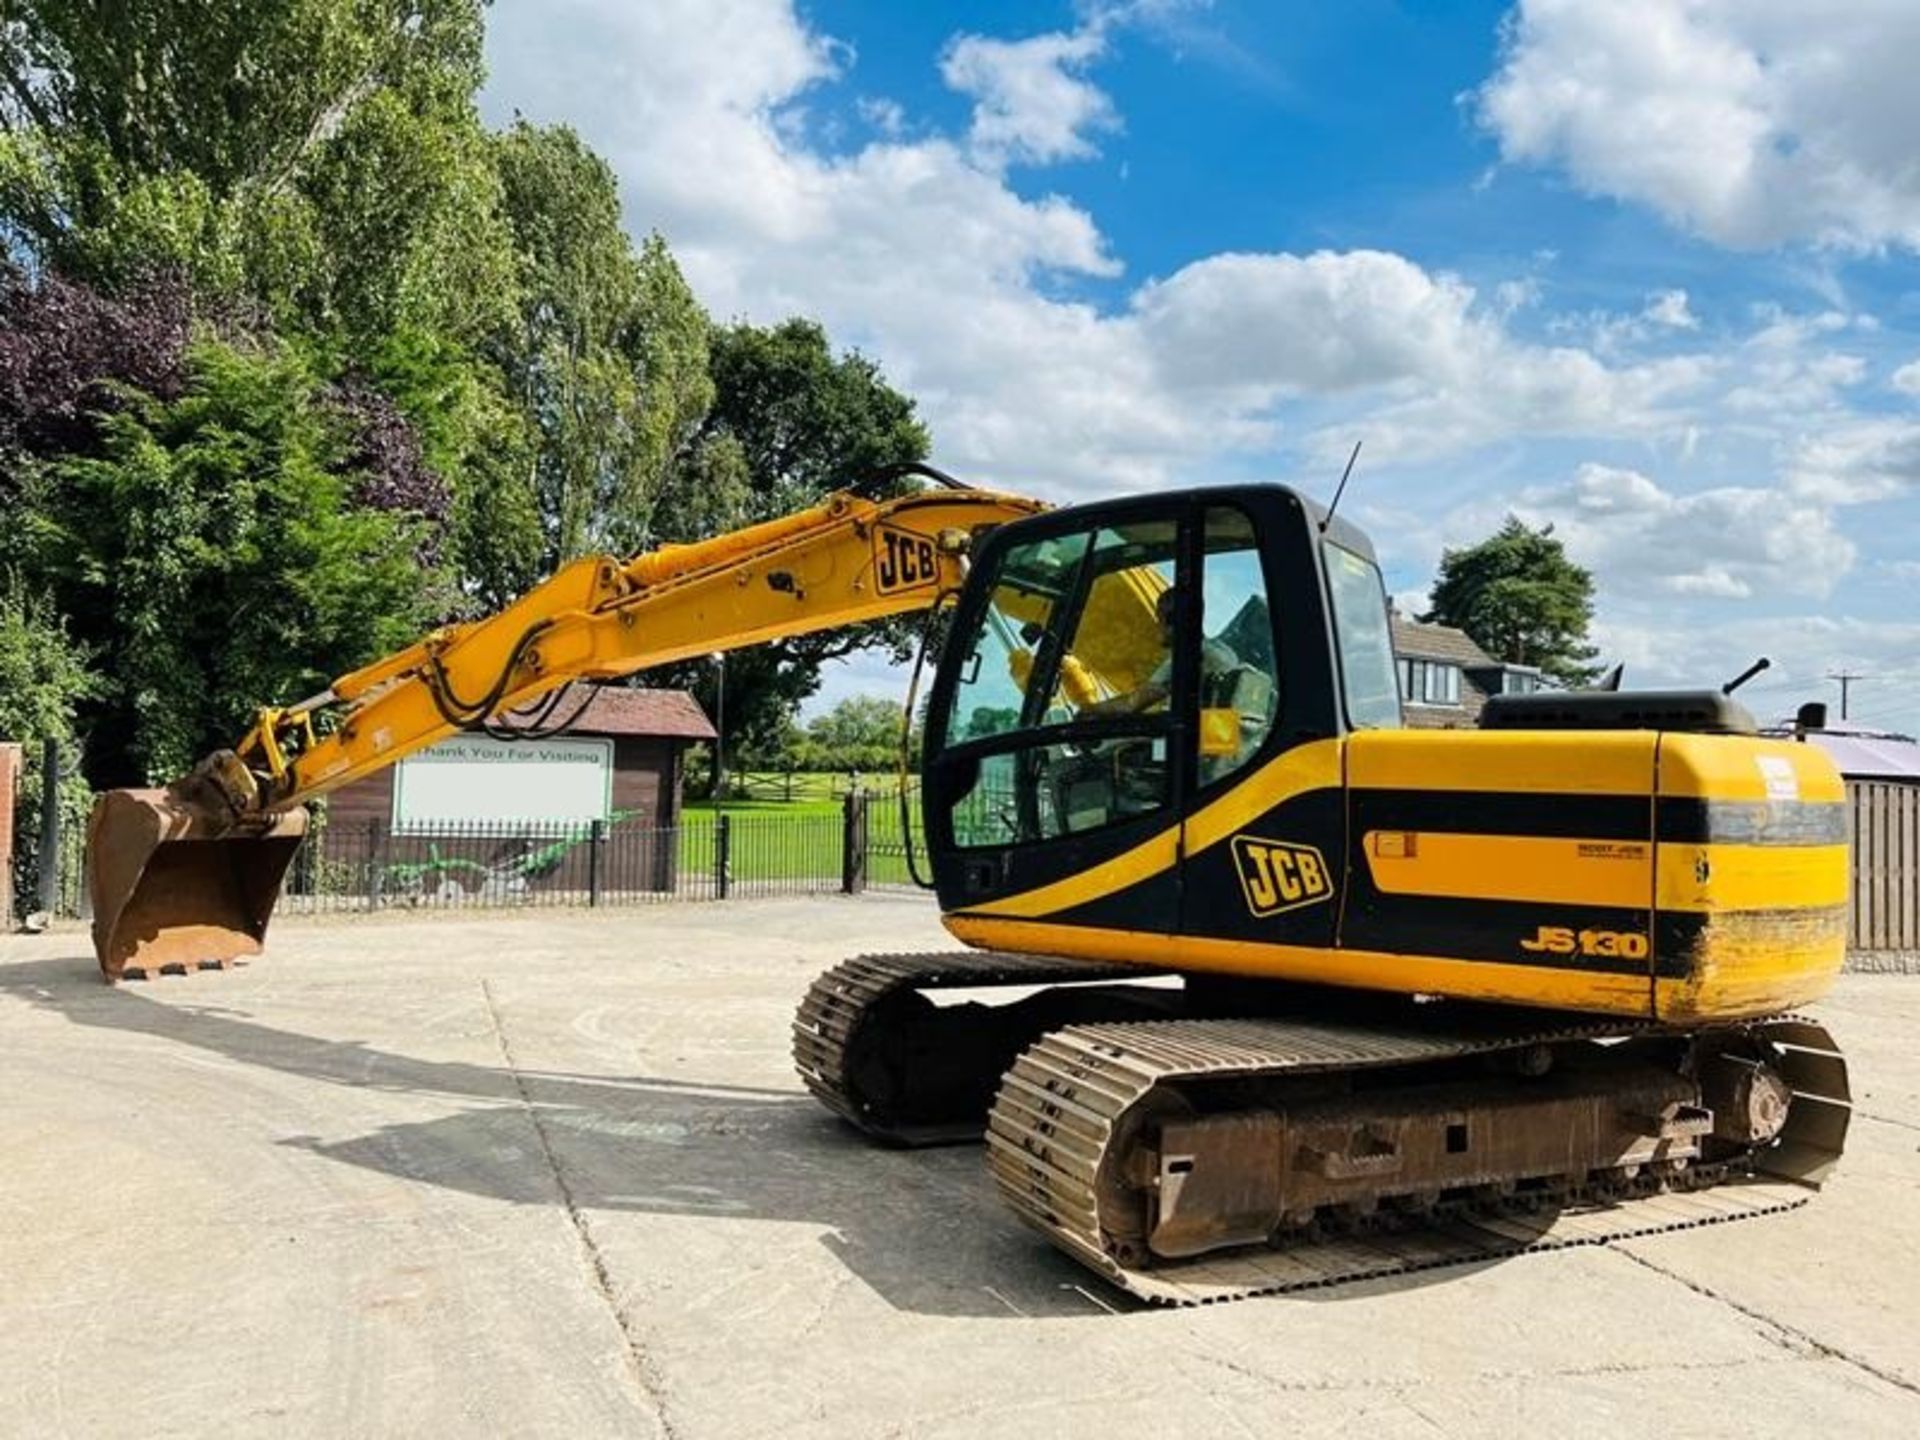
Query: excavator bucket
(176,888)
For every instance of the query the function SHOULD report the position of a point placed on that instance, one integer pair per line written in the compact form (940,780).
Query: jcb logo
(1276,875)
(905,561)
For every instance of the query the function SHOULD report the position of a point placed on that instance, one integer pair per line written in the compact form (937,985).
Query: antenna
(1341,489)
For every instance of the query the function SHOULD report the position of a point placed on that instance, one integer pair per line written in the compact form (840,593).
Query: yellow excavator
(1264,991)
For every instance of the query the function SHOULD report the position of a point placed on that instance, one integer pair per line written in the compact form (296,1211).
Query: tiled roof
(1417,641)
(618,710)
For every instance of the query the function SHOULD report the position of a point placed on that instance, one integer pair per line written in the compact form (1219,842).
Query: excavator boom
(187,876)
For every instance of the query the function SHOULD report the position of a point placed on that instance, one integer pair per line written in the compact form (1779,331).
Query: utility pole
(1845,679)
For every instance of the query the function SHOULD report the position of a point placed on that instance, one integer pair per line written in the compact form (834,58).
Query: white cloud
(1032,102)
(884,115)
(1858,461)
(1669,308)
(1751,122)
(1445,373)
(1324,322)
(1613,333)
(1788,372)
(1730,542)
(1907,378)
(923,255)
(1793,382)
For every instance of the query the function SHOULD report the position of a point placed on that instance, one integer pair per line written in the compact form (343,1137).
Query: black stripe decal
(1489,812)
(1490,930)
(1751,822)
(1682,819)
(1676,940)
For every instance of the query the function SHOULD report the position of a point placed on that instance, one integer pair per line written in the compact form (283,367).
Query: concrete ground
(551,1174)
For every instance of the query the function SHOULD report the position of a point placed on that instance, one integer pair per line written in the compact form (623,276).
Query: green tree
(232,91)
(471,432)
(213,556)
(320,156)
(311,167)
(861,732)
(806,421)
(43,679)
(790,421)
(1521,599)
(608,353)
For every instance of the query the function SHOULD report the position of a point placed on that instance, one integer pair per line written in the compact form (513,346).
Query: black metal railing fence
(352,864)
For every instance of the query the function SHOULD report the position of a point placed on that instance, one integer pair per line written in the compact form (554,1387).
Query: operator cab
(1115,669)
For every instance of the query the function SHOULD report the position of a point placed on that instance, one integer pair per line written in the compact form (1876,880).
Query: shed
(512,806)
(1882,771)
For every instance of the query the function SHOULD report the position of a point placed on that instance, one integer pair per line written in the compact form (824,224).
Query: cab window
(1064,687)
(1239,678)
(1365,644)
(994,696)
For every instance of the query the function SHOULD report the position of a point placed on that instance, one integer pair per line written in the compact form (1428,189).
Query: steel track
(1061,1109)
(846,999)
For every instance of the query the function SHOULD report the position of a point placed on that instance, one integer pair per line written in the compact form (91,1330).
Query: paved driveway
(552,1175)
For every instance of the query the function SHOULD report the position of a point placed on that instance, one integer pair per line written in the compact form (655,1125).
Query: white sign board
(549,786)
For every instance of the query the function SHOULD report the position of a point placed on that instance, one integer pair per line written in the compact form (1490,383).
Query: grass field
(777,840)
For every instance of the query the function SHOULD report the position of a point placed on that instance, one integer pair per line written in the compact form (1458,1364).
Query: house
(1445,679)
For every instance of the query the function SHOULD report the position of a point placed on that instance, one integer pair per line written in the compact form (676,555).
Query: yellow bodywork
(1767,913)
(1777,913)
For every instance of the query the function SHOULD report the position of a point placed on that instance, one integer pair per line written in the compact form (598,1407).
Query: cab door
(1056,738)
(1263,828)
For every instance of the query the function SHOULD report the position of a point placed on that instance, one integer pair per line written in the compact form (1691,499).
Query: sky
(1646,270)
